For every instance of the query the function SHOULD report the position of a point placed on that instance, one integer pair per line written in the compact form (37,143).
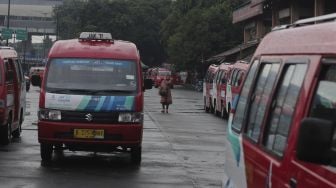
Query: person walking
(165,93)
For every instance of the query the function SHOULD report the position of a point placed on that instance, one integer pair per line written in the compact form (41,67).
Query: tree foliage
(182,32)
(198,29)
(132,20)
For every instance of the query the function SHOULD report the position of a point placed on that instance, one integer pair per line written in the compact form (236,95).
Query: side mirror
(148,84)
(36,80)
(315,141)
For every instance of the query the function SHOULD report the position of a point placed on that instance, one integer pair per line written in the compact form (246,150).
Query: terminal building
(258,17)
(34,16)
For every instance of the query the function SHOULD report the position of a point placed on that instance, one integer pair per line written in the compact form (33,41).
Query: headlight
(135,117)
(46,114)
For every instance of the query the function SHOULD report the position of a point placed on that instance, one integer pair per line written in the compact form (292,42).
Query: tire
(215,109)
(46,151)
(17,132)
(212,109)
(6,134)
(136,155)
(205,107)
(224,114)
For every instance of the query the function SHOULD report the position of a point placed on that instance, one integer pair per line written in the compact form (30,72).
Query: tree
(137,21)
(198,29)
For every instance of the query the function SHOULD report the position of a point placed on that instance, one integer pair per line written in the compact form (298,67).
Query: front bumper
(125,135)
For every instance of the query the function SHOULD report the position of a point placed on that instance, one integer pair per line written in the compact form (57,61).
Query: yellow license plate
(89,133)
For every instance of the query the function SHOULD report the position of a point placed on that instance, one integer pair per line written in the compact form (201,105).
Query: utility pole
(8,19)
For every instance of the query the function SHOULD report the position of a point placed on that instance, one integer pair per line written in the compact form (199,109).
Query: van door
(11,97)
(322,105)
(22,91)
(272,105)
(17,88)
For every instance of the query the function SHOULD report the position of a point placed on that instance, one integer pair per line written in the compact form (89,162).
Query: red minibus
(12,95)
(234,84)
(209,88)
(160,74)
(221,79)
(282,131)
(91,97)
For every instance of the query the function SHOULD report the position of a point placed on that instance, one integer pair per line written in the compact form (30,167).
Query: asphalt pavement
(184,148)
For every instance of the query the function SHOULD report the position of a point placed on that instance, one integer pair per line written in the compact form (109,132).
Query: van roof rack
(308,21)
(95,36)
(6,47)
(318,19)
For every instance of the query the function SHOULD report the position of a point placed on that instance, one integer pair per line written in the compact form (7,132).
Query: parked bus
(234,84)
(12,95)
(92,97)
(221,80)
(282,132)
(209,88)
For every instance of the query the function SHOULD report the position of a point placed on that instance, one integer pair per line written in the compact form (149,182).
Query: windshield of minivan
(92,75)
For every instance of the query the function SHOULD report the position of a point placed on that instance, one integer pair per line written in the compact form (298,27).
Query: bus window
(283,107)
(260,96)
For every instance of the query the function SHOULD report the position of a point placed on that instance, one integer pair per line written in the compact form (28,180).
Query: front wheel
(6,134)
(136,155)
(46,151)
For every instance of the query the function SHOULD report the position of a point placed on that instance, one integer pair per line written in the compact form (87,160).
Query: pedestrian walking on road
(165,93)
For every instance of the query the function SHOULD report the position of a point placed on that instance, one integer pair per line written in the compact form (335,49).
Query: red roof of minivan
(94,49)
(6,52)
(311,39)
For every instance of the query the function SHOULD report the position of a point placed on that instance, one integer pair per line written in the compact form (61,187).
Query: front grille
(90,117)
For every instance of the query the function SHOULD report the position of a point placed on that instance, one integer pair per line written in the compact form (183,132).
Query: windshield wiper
(67,91)
(54,90)
(111,91)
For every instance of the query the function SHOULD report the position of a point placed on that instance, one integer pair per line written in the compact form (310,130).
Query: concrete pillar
(260,29)
(275,15)
(294,11)
(319,7)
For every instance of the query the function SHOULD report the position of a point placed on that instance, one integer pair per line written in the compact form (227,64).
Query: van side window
(233,77)
(9,66)
(18,70)
(260,97)
(224,78)
(283,106)
(324,102)
(238,118)
(239,78)
(21,74)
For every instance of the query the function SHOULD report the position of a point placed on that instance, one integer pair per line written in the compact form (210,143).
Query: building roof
(237,49)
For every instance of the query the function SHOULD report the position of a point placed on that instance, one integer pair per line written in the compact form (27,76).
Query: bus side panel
(234,163)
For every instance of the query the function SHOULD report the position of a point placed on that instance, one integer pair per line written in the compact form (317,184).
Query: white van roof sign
(95,36)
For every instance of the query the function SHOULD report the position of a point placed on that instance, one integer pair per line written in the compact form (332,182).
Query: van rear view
(282,133)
